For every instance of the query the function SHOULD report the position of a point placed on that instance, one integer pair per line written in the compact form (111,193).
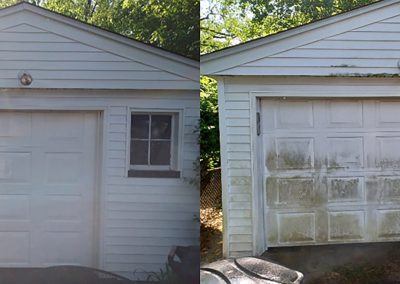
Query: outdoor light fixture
(25,79)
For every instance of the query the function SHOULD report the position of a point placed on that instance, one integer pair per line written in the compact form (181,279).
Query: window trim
(169,171)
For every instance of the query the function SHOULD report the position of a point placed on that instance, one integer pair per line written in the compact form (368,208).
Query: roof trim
(232,50)
(99,31)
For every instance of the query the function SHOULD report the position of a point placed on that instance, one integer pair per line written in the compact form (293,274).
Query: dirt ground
(211,227)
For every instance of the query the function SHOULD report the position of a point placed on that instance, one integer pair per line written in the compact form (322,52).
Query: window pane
(160,152)
(161,127)
(140,126)
(139,152)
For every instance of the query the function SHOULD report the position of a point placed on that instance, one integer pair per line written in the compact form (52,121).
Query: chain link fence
(211,190)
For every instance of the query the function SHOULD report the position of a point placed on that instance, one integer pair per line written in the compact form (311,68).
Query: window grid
(150,139)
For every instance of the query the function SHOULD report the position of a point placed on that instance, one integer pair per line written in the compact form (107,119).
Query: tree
(209,128)
(170,24)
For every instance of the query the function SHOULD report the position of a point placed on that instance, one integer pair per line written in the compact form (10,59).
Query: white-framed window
(154,144)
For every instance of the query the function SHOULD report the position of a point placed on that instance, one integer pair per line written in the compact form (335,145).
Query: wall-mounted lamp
(25,79)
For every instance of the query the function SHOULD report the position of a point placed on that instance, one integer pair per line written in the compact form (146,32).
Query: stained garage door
(331,171)
(47,188)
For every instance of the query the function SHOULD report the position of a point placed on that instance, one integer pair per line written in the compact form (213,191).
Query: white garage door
(47,163)
(332,171)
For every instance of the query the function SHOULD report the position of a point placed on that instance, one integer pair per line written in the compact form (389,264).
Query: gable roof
(337,38)
(58,38)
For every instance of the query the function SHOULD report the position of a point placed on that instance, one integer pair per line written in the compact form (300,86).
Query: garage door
(47,188)
(332,171)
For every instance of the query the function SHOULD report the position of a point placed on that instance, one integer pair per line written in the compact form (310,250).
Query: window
(153,145)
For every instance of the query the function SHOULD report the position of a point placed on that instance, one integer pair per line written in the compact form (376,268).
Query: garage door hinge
(258,124)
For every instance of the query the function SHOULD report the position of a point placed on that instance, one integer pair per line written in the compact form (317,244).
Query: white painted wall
(241,159)
(141,218)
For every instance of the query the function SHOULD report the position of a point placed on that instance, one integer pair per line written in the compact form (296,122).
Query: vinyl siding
(155,214)
(237,171)
(371,49)
(140,218)
(61,56)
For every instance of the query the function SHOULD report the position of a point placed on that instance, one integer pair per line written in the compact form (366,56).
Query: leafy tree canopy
(170,24)
(209,128)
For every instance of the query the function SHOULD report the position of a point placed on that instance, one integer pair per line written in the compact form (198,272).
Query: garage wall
(60,52)
(145,217)
(236,114)
(141,218)
(362,41)
(368,49)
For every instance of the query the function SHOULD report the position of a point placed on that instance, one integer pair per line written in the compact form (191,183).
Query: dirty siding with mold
(331,171)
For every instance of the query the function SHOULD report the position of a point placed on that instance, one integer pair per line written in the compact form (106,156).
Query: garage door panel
(345,189)
(339,176)
(346,225)
(345,152)
(63,168)
(14,207)
(294,153)
(15,124)
(47,188)
(345,114)
(388,223)
(291,153)
(289,192)
(69,125)
(70,252)
(15,167)
(388,155)
(296,228)
(63,208)
(295,114)
(387,114)
(15,248)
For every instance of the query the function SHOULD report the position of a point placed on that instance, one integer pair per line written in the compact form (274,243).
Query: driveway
(372,263)
(59,275)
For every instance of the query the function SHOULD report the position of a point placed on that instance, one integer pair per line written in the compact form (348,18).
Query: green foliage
(170,24)
(291,13)
(6,3)
(209,130)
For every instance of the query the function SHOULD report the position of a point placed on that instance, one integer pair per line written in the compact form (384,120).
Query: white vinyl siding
(371,49)
(60,55)
(361,42)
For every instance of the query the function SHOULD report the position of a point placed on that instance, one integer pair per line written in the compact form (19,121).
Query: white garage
(310,133)
(97,146)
